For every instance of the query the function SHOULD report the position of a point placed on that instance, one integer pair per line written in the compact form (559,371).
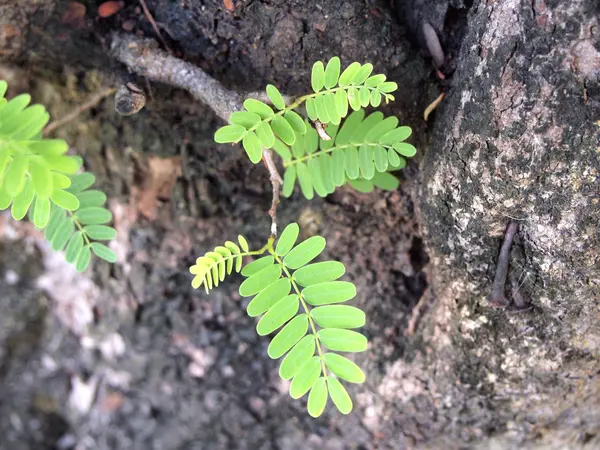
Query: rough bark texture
(515,138)
(132,357)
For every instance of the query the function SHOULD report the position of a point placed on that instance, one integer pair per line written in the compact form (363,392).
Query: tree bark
(516,138)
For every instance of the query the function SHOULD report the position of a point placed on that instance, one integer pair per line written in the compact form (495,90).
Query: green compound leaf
(275,97)
(405,149)
(278,315)
(91,198)
(257,265)
(362,74)
(315,175)
(251,144)
(385,181)
(288,337)
(93,216)
(321,107)
(338,316)
(48,147)
(349,127)
(306,378)
(375,80)
(399,134)
(317,399)
(41,214)
(304,252)
(69,165)
(15,176)
(265,135)
(81,182)
(289,181)
(354,98)
(344,368)
(282,150)
(60,181)
(83,259)
(342,340)
(56,217)
(365,96)
(260,108)
(100,232)
(297,357)
(328,293)
(211,268)
(63,233)
(269,297)
(65,200)
(22,202)
(341,103)
(320,272)
(381,128)
(311,109)
(243,243)
(317,78)
(339,395)
(103,252)
(304,180)
(388,87)
(361,185)
(349,73)
(332,72)
(331,107)
(260,280)
(41,177)
(245,119)
(287,239)
(365,161)
(74,247)
(380,157)
(282,128)
(375,99)
(229,133)
(296,122)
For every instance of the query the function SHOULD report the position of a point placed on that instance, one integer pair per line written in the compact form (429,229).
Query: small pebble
(110,8)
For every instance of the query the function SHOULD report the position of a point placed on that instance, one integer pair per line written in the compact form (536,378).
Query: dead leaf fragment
(112,402)
(229,6)
(110,8)
(74,15)
(158,181)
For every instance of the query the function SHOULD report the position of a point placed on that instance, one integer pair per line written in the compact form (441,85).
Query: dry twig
(93,101)
(153,23)
(144,58)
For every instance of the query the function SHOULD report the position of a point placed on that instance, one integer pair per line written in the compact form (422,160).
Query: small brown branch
(154,26)
(144,58)
(92,102)
(276,182)
(497,298)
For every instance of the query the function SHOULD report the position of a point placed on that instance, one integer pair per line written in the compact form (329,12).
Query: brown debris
(74,15)
(159,178)
(229,5)
(110,8)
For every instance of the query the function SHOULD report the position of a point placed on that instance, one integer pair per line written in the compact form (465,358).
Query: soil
(136,358)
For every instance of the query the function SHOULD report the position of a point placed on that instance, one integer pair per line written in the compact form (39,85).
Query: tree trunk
(515,139)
